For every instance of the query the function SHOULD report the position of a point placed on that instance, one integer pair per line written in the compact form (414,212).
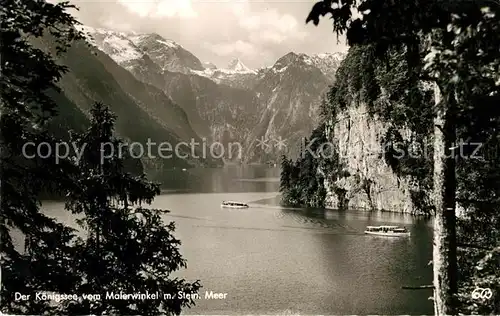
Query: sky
(257,32)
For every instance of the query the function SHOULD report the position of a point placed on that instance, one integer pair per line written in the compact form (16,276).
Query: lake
(273,260)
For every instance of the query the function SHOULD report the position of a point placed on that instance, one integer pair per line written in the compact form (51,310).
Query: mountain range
(162,92)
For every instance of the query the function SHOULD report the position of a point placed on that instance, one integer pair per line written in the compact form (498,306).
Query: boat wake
(286,229)
(189,217)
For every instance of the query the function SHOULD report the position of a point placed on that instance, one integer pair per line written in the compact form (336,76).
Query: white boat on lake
(232,204)
(389,231)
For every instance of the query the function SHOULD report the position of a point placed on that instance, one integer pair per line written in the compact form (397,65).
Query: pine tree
(26,75)
(128,248)
(285,174)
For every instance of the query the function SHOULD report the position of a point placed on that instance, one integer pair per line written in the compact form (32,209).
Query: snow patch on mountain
(101,31)
(167,54)
(282,69)
(128,49)
(140,39)
(116,45)
(328,63)
(171,44)
(121,49)
(235,75)
(238,75)
(237,66)
(209,65)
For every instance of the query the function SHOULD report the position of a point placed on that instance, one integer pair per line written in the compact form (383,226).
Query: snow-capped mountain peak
(129,48)
(234,68)
(89,30)
(326,62)
(236,74)
(143,39)
(237,66)
(116,44)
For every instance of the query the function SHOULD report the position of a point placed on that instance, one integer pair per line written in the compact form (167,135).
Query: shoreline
(359,210)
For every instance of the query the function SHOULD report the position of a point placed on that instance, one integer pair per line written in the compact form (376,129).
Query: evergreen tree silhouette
(128,248)
(27,74)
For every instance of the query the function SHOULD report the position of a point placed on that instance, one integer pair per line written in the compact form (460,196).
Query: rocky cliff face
(166,53)
(371,183)
(291,92)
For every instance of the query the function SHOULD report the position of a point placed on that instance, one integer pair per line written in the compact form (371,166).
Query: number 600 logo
(480,293)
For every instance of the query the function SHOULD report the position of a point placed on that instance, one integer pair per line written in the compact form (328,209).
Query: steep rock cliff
(376,127)
(371,183)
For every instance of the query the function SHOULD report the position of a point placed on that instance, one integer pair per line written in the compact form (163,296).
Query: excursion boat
(231,204)
(389,231)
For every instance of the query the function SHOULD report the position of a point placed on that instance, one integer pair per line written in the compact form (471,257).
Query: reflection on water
(272,260)
(228,179)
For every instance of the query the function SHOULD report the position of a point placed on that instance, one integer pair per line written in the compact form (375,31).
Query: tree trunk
(444,250)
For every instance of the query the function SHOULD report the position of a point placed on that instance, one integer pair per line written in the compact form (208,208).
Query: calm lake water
(272,260)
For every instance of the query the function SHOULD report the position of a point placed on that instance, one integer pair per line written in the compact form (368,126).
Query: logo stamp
(482,293)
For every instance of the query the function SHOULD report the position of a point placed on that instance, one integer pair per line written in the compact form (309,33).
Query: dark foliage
(303,180)
(455,45)
(27,74)
(128,248)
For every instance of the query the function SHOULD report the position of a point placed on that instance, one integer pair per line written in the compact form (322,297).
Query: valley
(227,105)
